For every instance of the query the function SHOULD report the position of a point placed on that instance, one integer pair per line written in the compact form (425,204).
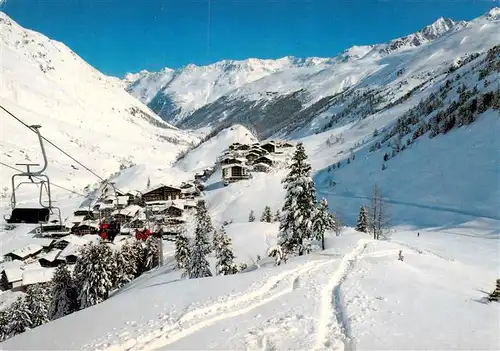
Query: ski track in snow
(198,319)
(332,323)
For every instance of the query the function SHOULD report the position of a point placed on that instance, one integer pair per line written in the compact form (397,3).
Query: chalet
(261,167)
(234,172)
(69,239)
(252,156)
(137,223)
(24,253)
(189,204)
(264,159)
(285,144)
(87,227)
(234,146)
(173,211)
(242,147)
(190,190)
(126,214)
(50,259)
(231,160)
(269,146)
(162,193)
(11,275)
(69,254)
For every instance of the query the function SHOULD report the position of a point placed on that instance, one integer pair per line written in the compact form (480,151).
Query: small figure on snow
(418,234)
(400,255)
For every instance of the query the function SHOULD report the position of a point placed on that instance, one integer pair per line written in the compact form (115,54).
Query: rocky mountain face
(279,96)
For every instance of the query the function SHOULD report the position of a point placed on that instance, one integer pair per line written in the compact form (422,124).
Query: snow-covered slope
(82,111)
(283,94)
(347,297)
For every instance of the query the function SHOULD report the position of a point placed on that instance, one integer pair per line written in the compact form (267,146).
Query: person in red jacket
(138,234)
(103,230)
(146,234)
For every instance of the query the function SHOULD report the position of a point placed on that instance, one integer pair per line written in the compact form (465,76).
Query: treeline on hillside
(98,270)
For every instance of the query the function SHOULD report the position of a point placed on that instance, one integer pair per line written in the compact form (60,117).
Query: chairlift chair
(39,214)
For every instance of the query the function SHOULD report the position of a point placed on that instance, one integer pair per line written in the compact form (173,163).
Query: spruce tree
(130,264)
(63,294)
(276,217)
(322,222)
(362,225)
(138,250)
(266,215)
(19,318)
(3,325)
(119,276)
(223,253)
(95,269)
(38,301)
(299,207)
(199,266)
(251,216)
(182,250)
(152,253)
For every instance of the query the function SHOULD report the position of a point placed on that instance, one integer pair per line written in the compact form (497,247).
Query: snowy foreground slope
(82,111)
(355,295)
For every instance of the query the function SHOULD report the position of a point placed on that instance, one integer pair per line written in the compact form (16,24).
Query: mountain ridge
(177,95)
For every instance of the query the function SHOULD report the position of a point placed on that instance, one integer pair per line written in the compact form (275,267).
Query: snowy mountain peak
(438,28)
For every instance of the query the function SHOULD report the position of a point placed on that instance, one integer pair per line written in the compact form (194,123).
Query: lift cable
(58,148)
(52,184)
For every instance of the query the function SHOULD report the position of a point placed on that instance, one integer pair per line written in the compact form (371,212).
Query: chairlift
(39,214)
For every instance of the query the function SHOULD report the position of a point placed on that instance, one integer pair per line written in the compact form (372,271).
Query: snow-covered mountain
(267,94)
(84,112)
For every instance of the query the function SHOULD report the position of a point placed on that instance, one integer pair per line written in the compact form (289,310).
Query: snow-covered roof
(260,164)
(73,239)
(31,266)
(122,200)
(90,223)
(129,211)
(28,250)
(234,165)
(13,270)
(91,238)
(35,276)
(13,274)
(51,256)
(70,250)
(75,219)
(45,242)
(158,186)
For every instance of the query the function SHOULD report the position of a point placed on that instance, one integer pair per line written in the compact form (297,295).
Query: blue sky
(119,36)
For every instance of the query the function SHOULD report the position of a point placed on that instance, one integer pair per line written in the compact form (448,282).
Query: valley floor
(354,295)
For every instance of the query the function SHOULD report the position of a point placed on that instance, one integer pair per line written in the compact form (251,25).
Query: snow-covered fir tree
(3,325)
(63,294)
(19,318)
(152,253)
(277,215)
(299,208)
(251,216)
(119,276)
(362,225)
(38,301)
(199,266)
(95,269)
(130,264)
(224,254)
(266,215)
(138,249)
(322,222)
(182,250)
